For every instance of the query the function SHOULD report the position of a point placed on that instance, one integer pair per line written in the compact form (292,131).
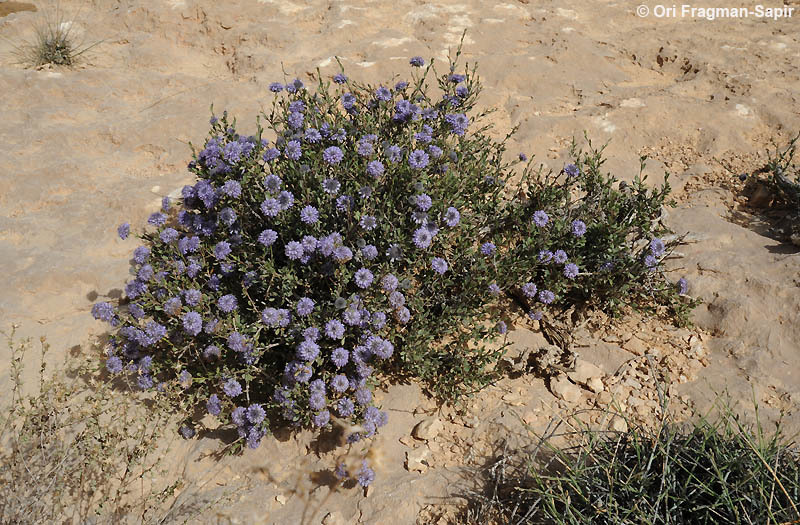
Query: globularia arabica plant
(368,237)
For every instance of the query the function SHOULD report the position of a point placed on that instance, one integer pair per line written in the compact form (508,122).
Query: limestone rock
(427,429)
(584,371)
(562,388)
(416,460)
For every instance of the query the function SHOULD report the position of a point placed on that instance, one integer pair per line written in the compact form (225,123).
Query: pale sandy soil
(85,149)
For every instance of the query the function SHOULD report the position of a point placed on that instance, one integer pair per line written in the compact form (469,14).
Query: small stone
(427,429)
(605,398)
(416,460)
(635,346)
(595,384)
(584,371)
(280,498)
(618,425)
(562,388)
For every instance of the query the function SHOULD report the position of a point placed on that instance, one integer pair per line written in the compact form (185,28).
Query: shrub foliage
(366,232)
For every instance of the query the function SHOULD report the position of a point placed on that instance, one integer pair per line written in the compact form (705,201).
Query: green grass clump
(705,472)
(54,42)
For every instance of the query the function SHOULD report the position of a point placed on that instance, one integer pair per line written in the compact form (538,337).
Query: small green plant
(700,473)
(781,188)
(76,450)
(367,234)
(54,41)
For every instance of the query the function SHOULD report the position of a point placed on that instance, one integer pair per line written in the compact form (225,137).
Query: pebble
(584,371)
(416,460)
(427,429)
(563,389)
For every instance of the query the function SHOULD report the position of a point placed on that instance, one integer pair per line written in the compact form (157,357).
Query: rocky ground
(90,147)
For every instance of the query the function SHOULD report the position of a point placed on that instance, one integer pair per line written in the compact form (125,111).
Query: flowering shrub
(370,235)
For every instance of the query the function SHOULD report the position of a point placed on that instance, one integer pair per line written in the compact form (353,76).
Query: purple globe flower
(321,419)
(368,222)
(439,265)
(546,296)
(307,350)
(422,238)
(389,282)
(332,155)
(276,87)
(488,248)
(213,405)
(494,289)
(683,286)
(394,154)
(375,168)
(232,388)
(366,475)
(348,101)
(340,356)
(294,250)
(501,327)
(572,170)
(309,215)
(268,237)
(334,329)
(578,228)
(114,364)
(340,78)
(529,290)
(331,186)
(383,94)
(305,306)
(339,383)
(452,217)
(363,278)
(545,256)
(192,323)
(369,252)
(403,315)
(571,271)
(285,200)
(293,149)
(363,396)
(540,218)
(227,303)
(458,123)
(316,401)
(141,254)
(560,256)
(657,247)
(124,230)
(272,183)
(536,316)
(256,414)
(232,189)
(418,159)
(157,219)
(423,202)
(417,61)
(222,250)
(103,311)
(651,262)
(342,254)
